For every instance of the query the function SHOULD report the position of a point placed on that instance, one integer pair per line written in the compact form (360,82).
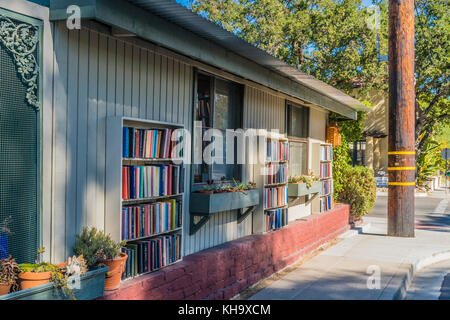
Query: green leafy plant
(235,186)
(241,186)
(38,267)
(430,161)
(341,164)
(94,245)
(308,179)
(60,280)
(359,191)
(39,255)
(9,270)
(59,275)
(74,266)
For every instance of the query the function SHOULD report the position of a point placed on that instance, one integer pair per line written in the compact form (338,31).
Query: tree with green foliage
(328,39)
(432,48)
(336,42)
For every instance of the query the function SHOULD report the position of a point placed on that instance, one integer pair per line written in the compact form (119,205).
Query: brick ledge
(236,265)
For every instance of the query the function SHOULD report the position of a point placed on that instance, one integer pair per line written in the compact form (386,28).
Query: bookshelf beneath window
(276,182)
(326,177)
(145,193)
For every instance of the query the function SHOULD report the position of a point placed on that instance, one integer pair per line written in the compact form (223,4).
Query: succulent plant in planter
(9,271)
(98,248)
(32,275)
(73,267)
(308,179)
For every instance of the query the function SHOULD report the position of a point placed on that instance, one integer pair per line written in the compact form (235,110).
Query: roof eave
(144,24)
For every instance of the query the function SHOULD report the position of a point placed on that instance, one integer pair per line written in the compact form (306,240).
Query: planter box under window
(300,189)
(92,286)
(218,202)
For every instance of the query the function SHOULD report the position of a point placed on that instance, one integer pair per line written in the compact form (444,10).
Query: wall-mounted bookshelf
(326,177)
(276,182)
(145,193)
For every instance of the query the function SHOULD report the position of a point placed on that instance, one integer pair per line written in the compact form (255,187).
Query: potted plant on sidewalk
(99,249)
(9,270)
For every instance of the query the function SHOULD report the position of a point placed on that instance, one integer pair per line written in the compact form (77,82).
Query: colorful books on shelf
(327,187)
(147,143)
(151,255)
(325,170)
(275,197)
(149,219)
(277,150)
(276,173)
(140,182)
(276,218)
(326,203)
(326,153)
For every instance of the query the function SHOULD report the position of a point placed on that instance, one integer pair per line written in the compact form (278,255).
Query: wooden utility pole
(402,160)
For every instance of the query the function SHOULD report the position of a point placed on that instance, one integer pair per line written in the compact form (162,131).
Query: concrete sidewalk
(343,271)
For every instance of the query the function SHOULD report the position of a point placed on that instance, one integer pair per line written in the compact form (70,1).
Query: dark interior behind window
(297,120)
(219,106)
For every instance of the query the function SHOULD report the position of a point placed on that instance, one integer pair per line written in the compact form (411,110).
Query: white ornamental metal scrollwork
(21,40)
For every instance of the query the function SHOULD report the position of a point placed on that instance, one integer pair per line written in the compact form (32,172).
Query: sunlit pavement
(371,265)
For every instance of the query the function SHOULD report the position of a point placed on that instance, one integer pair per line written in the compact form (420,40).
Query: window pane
(297,158)
(221,111)
(224,114)
(298,121)
(226,117)
(202,112)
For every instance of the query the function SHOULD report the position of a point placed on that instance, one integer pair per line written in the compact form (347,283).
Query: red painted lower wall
(223,271)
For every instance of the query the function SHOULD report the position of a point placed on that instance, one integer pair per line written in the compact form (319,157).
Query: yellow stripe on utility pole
(401,183)
(401,152)
(401,168)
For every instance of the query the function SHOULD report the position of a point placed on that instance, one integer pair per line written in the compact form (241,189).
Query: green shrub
(94,244)
(341,162)
(358,189)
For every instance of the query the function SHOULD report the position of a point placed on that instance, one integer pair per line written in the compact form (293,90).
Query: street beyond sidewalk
(370,265)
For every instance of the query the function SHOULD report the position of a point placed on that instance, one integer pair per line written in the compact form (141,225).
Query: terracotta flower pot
(4,288)
(116,268)
(33,279)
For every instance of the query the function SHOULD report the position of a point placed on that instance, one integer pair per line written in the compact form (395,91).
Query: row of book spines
(276,218)
(146,143)
(326,203)
(327,187)
(147,220)
(275,197)
(277,151)
(325,170)
(151,255)
(326,153)
(140,182)
(276,173)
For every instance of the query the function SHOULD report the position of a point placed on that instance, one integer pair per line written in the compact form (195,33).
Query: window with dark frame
(298,131)
(218,105)
(297,120)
